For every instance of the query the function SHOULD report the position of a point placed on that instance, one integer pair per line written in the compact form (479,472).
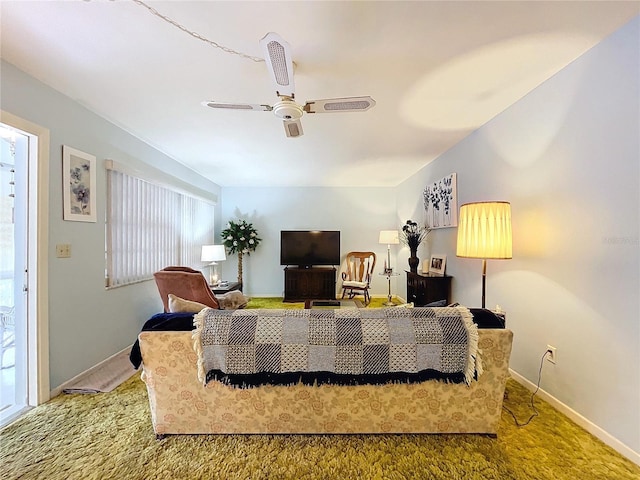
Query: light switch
(63,250)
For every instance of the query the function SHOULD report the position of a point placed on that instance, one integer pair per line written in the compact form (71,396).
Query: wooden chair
(186,283)
(357,277)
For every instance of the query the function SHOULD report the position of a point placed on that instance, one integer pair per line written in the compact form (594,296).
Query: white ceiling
(437,70)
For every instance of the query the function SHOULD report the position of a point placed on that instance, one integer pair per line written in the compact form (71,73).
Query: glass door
(13,271)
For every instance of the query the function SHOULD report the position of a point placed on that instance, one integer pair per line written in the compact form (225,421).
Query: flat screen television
(307,248)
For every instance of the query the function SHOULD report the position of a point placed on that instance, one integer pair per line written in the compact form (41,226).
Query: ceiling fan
(277,55)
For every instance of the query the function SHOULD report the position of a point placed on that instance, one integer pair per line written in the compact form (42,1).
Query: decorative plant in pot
(412,236)
(240,237)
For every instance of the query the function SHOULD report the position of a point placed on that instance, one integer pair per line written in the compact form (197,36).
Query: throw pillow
(485,318)
(233,300)
(180,305)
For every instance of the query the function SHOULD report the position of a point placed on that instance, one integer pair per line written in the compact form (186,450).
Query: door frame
(38,384)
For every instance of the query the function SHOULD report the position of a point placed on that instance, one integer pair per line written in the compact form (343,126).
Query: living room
(566,156)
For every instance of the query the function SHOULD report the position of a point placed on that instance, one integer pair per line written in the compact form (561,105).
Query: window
(151,226)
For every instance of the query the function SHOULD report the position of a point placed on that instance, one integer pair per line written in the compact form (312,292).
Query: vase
(414,261)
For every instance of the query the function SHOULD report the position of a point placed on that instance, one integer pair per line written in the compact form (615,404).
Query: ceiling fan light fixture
(287,109)
(293,128)
(277,56)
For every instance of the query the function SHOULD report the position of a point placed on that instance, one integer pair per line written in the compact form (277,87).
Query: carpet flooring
(109,436)
(276,302)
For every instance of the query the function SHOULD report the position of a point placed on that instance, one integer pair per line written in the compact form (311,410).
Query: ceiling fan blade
(238,106)
(347,104)
(277,55)
(293,128)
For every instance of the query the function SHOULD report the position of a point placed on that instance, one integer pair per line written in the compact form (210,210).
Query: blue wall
(567,158)
(87,323)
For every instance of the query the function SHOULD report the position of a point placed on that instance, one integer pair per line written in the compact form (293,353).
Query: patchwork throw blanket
(247,348)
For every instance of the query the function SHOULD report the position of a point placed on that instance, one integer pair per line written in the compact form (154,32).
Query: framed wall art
(441,203)
(78,185)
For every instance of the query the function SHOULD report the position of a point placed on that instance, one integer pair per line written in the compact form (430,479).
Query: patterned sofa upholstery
(180,404)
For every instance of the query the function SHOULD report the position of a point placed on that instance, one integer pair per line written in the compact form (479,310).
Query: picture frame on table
(78,185)
(437,265)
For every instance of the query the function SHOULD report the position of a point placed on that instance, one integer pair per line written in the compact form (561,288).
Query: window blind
(150,226)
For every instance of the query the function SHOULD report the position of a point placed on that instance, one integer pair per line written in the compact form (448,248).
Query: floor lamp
(213,254)
(484,231)
(390,237)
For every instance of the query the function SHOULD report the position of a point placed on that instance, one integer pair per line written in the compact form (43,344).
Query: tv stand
(309,283)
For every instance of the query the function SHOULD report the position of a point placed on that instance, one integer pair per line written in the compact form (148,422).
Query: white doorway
(24,350)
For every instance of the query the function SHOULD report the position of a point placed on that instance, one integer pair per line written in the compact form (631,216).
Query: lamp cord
(533,407)
(195,34)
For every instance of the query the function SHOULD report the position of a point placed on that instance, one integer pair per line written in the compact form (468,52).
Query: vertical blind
(150,227)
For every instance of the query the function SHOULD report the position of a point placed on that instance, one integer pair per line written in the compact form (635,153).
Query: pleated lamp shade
(484,230)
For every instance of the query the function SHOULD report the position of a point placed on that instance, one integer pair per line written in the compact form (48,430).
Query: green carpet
(109,436)
(275,302)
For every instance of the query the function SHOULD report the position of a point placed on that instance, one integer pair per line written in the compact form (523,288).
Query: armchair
(186,283)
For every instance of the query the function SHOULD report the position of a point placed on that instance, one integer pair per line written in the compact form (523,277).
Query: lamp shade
(389,237)
(484,230)
(213,253)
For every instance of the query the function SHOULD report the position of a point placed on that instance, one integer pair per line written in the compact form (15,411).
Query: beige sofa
(180,404)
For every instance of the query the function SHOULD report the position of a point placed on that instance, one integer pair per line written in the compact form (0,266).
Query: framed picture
(437,264)
(78,185)
(441,203)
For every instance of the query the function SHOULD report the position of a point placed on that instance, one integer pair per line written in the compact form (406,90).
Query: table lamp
(213,254)
(484,231)
(390,237)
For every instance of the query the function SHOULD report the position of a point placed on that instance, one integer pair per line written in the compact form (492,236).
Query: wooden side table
(424,289)
(217,290)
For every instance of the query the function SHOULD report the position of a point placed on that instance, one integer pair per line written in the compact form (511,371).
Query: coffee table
(331,304)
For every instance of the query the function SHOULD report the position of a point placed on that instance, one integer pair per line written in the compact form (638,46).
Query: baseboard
(585,423)
(397,297)
(58,390)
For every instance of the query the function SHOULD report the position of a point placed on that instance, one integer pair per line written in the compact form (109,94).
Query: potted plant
(240,237)
(412,235)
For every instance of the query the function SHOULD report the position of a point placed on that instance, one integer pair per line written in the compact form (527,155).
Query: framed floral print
(78,185)
(441,203)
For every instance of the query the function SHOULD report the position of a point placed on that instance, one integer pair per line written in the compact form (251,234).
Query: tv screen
(308,248)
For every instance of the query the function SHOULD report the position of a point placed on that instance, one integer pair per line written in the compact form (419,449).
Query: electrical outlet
(551,353)
(63,250)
